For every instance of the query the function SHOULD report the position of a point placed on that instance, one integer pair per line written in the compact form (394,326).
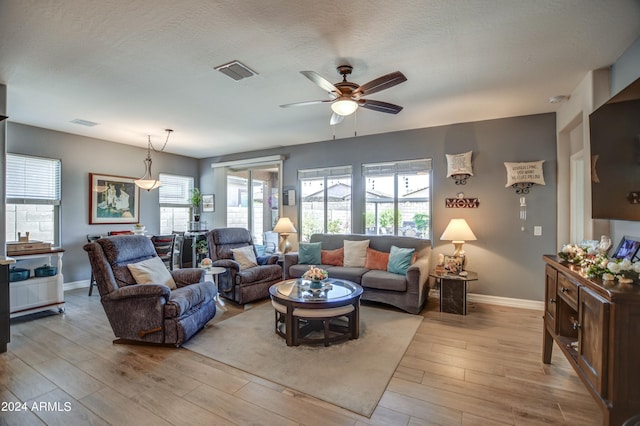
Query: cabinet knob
(576,325)
(564,289)
(552,300)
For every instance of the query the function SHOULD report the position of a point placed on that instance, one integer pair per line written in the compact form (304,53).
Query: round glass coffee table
(302,310)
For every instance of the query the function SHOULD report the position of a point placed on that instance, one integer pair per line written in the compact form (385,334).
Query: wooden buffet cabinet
(602,320)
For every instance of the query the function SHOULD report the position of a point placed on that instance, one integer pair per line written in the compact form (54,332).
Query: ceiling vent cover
(236,70)
(82,122)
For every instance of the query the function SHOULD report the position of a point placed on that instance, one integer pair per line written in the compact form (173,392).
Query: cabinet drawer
(568,291)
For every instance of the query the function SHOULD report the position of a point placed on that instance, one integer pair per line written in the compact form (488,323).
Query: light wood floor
(482,369)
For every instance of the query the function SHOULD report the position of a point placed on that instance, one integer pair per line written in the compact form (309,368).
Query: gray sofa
(408,292)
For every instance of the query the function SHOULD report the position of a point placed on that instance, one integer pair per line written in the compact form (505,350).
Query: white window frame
(175,192)
(32,180)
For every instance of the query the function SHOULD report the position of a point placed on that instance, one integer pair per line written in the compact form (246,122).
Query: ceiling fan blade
(380,83)
(321,81)
(336,119)
(380,106)
(297,104)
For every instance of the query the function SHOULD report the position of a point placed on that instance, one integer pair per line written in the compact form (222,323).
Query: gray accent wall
(508,260)
(83,155)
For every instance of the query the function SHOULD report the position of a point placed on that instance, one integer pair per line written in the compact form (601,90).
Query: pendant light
(147,181)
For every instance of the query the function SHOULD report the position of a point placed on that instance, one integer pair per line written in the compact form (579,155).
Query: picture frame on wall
(627,248)
(113,199)
(209,203)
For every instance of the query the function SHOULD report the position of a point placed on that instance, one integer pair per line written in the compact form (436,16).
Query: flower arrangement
(315,274)
(206,262)
(596,264)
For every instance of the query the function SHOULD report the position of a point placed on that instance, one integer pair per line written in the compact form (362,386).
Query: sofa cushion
(187,298)
(245,256)
(376,259)
(400,260)
(332,257)
(152,271)
(384,280)
(355,253)
(346,273)
(309,253)
(259,274)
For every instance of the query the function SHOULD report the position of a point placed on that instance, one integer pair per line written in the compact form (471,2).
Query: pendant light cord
(165,142)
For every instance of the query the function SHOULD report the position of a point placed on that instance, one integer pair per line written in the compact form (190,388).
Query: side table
(453,291)
(214,271)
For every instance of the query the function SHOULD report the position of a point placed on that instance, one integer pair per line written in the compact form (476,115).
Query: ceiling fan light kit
(344,106)
(347,96)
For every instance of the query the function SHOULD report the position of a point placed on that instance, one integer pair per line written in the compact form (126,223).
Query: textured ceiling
(137,67)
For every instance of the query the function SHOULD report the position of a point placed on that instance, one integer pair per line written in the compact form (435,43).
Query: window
(33,198)
(252,198)
(175,207)
(398,198)
(325,201)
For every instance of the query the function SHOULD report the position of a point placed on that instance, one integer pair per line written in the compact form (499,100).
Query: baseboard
(75,284)
(497,300)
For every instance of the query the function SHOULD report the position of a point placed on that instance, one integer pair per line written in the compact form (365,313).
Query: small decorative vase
(315,284)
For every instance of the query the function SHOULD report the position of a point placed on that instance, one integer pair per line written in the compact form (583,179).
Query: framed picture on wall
(209,203)
(113,200)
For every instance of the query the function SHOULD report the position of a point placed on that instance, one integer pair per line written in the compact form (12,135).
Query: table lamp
(458,232)
(284,227)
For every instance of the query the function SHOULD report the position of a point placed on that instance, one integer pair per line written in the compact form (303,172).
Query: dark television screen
(615,156)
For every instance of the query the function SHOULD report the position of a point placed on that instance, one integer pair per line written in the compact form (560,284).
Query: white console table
(37,293)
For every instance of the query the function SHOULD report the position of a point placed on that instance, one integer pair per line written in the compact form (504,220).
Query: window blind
(32,180)
(325,172)
(175,190)
(398,167)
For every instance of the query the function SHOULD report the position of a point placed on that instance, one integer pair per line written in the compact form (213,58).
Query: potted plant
(196,199)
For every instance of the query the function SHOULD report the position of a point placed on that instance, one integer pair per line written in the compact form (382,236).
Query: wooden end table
(453,291)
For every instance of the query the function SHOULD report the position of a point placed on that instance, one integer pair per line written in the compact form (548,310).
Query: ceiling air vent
(81,122)
(236,70)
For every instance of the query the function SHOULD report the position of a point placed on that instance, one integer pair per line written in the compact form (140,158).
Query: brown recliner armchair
(151,313)
(241,285)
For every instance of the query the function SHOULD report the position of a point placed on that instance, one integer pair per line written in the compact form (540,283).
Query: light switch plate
(537,230)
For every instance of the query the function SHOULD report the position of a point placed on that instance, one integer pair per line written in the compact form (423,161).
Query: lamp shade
(344,106)
(284,226)
(458,230)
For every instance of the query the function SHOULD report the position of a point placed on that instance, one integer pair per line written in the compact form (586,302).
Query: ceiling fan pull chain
(355,124)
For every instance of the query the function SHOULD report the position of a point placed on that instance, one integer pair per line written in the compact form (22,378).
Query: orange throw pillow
(332,257)
(376,259)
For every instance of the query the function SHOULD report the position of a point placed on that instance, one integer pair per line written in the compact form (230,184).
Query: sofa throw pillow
(376,259)
(400,260)
(245,256)
(332,257)
(355,253)
(152,271)
(309,253)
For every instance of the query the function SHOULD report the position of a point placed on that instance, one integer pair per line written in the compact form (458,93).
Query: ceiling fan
(346,97)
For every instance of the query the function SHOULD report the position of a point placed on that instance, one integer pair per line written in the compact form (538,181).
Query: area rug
(352,374)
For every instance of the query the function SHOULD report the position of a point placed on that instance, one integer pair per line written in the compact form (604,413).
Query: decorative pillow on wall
(524,172)
(152,271)
(400,260)
(355,253)
(309,254)
(245,257)
(459,164)
(332,257)
(376,259)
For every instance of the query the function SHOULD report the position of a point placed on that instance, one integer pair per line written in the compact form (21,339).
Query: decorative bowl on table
(139,229)
(206,263)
